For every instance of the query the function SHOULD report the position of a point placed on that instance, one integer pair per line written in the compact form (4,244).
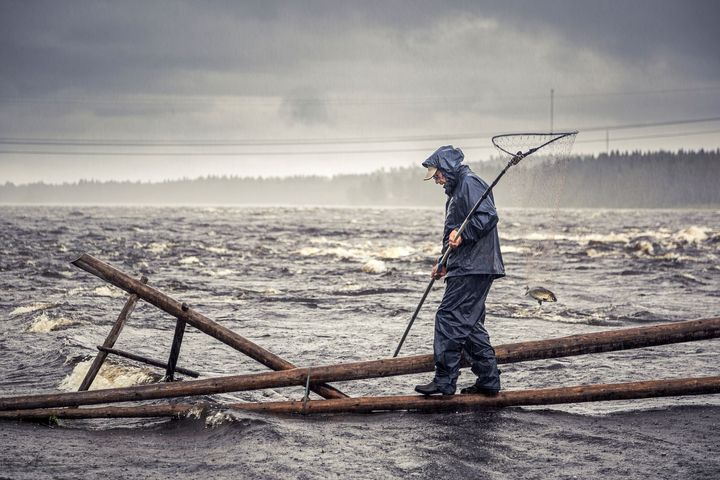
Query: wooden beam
(175,349)
(518,352)
(149,361)
(137,411)
(201,322)
(110,339)
(548,396)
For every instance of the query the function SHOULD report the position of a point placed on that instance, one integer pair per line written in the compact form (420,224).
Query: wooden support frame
(110,339)
(201,322)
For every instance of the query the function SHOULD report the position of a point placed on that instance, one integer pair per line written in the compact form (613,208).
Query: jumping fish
(541,294)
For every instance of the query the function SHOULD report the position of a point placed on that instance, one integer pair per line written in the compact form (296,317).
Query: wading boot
(475,390)
(432,388)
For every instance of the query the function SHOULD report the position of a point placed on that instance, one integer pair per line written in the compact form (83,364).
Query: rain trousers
(471,269)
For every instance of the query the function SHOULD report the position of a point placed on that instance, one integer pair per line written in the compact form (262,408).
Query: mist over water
(326,285)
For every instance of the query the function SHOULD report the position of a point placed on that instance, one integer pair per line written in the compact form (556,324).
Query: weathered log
(138,411)
(583,393)
(149,361)
(535,350)
(175,349)
(548,396)
(110,339)
(204,324)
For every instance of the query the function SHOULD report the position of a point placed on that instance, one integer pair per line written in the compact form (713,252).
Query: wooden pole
(149,361)
(138,411)
(197,320)
(518,352)
(110,339)
(548,396)
(175,349)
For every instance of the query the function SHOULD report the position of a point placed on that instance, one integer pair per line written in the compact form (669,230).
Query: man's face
(439,178)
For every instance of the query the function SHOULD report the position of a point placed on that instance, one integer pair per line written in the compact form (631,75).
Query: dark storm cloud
(683,33)
(172,46)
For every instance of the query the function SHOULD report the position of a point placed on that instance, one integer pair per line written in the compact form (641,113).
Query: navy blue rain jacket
(479,252)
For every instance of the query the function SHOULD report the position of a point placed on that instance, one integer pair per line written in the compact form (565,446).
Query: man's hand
(455,240)
(435,274)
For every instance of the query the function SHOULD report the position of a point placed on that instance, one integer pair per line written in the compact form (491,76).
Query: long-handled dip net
(539,184)
(516,146)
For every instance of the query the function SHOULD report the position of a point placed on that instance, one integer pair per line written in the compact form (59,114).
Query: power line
(231,143)
(658,135)
(225,154)
(642,92)
(310,141)
(315,152)
(653,124)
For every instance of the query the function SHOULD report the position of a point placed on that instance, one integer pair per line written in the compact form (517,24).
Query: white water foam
(218,418)
(221,272)
(611,237)
(44,324)
(692,235)
(342,253)
(374,266)
(109,291)
(31,308)
(189,261)
(157,247)
(218,250)
(395,252)
(75,291)
(109,376)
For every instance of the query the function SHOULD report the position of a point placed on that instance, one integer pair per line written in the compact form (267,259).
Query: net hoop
(541,140)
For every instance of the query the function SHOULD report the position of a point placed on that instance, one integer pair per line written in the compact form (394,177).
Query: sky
(156,90)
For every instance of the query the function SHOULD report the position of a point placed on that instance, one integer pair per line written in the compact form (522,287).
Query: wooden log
(110,339)
(175,349)
(138,411)
(149,361)
(536,350)
(583,393)
(197,320)
(547,396)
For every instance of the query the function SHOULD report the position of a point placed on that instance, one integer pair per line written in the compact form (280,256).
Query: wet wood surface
(415,403)
(613,340)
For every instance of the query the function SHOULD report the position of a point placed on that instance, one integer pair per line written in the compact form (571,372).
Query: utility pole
(552,101)
(607,141)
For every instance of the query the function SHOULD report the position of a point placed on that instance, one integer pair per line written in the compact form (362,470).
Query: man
(474,262)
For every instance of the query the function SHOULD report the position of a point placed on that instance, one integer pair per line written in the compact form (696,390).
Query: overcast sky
(150,90)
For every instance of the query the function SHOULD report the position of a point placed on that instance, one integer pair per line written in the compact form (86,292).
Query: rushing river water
(327,285)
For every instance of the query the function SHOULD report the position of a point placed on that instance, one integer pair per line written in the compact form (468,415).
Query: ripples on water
(323,285)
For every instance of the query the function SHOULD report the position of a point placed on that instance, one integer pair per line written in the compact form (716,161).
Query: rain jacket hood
(449,160)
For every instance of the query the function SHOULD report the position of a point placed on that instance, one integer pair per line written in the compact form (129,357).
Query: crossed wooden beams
(138,289)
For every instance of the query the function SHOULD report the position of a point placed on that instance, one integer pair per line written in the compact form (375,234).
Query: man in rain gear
(473,264)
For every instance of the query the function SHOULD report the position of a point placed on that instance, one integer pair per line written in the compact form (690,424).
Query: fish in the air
(541,294)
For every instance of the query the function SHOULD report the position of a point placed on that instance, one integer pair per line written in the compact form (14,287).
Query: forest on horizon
(684,179)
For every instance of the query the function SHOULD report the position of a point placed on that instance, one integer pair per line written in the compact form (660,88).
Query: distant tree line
(615,180)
